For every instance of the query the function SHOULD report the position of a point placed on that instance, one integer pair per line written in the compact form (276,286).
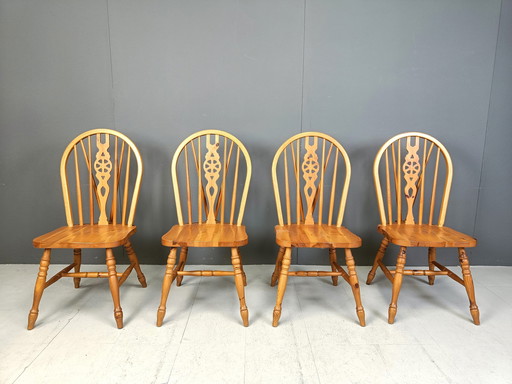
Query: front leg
(397,284)
(114,287)
(354,283)
(39,288)
(166,286)
(239,282)
(281,287)
(468,284)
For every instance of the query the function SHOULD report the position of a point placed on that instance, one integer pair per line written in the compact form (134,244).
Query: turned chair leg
(354,283)
(378,257)
(39,288)
(181,265)
(397,283)
(431,259)
(166,286)
(468,284)
(77,260)
(135,262)
(277,269)
(281,287)
(239,282)
(333,260)
(114,287)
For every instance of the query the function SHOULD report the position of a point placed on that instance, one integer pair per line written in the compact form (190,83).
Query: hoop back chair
(101,172)
(210,193)
(314,172)
(417,172)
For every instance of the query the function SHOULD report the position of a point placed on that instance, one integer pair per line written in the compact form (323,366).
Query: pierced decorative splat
(310,167)
(212,167)
(103,168)
(411,170)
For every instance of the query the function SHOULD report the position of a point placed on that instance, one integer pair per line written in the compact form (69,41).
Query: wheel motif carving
(411,169)
(310,167)
(212,167)
(103,169)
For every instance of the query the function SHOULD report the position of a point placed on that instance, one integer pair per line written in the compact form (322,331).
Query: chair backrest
(412,174)
(101,172)
(205,170)
(311,172)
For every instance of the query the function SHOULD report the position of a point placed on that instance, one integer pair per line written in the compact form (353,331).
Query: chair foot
(361,316)
(475,314)
(245,316)
(276,316)
(431,280)
(160,317)
(118,315)
(142,280)
(32,317)
(370,278)
(391,314)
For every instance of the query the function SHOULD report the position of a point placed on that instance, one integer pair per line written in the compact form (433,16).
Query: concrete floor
(202,340)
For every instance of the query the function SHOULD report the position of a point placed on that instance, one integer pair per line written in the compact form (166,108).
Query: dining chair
(413,175)
(101,172)
(314,171)
(210,192)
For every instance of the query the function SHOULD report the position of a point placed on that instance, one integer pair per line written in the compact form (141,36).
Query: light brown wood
(277,269)
(468,283)
(166,286)
(206,235)
(316,236)
(397,284)
(85,236)
(77,260)
(96,158)
(181,264)
(424,235)
(317,178)
(281,287)
(414,168)
(218,199)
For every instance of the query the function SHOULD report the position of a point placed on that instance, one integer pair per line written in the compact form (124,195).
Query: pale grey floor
(202,339)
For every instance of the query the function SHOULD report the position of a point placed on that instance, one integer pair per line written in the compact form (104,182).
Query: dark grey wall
(262,70)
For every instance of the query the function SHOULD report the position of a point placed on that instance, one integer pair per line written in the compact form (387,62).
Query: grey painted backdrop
(262,70)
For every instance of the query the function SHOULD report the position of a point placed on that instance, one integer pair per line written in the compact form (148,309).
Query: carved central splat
(310,169)
(103,168)
(411,170)
(211,167)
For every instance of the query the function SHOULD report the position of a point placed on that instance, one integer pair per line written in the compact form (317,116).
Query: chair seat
(315,236)
(86,236)
(206,235)
(424,235)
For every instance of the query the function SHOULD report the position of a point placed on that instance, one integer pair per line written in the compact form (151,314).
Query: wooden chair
(314,166)
(411,213)
(101,172)
(214,195)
